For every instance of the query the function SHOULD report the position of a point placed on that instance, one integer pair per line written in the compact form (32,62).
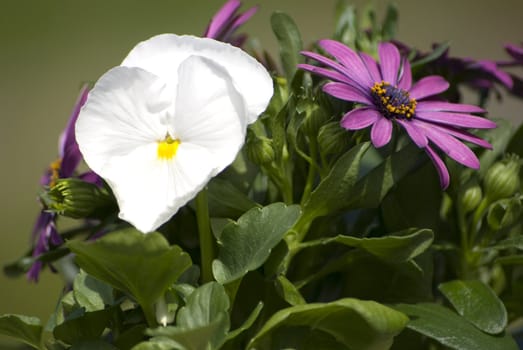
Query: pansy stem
(207,249)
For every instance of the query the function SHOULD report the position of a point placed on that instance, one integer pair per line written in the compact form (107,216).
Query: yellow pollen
(54,168)
(167,148)
(395,102)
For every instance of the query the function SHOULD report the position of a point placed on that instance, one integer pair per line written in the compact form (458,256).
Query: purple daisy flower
(226,21)
(44,233)
(386,95)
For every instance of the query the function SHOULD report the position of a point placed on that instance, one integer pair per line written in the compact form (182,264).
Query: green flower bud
(259,148)
(77,199)
(504,213)
(470,196)
(314,116)
(502,179)
(332,138)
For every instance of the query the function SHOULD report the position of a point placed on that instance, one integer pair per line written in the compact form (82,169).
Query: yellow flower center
(392,101)
(167,148)
(54,169)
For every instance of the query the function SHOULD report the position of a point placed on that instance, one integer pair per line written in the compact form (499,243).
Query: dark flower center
(392,101)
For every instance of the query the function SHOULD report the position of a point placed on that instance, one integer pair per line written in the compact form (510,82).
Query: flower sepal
(78,199)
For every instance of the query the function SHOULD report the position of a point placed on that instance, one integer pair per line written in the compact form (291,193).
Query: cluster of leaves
(321,242)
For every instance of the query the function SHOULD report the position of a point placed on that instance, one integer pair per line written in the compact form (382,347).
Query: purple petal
(428,86)
(448,107)
(492,68)
(221,18)
(33,273)
(327,73)
(441,168)
(372,67)
(360,118)
(463,135)
(389,62)
(381,132)
(91,177)
(235,23)
(451,146)
(515,51)
(350,59)
(334,65)
(347,93)
(405,81)
(456,119)
(68,148)
(416,134)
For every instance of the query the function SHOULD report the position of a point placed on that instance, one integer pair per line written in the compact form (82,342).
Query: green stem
(150,314)
(207,249)
(310,176)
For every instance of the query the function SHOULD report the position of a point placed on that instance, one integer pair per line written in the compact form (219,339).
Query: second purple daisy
(386,95)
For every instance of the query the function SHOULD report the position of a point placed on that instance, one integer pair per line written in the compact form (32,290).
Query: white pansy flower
(172,116)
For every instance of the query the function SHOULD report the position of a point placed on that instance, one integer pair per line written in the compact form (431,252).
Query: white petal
(208,110)
(126,109)
(149,190)
(163,54)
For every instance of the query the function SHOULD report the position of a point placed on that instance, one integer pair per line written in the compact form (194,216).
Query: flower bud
(470,196)
(259,148)
(332,138)
(502,179)
(314,118)
(77,199)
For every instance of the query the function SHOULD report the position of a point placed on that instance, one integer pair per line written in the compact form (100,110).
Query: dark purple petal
(428,86)
(372,67)
(441,168)
(456,119)
(492,68)
(381,132)
(324,72)
(91,177)
(515,51)
(448,107)
(350,59)
(42,221)
(360,118)
(389,62)
(221,19)
(68,148)
(451,146)
(347,93)
(416,134)
(33,274)
(405,81)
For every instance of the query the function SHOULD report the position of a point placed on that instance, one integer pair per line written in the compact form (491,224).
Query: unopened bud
(314,117)
(470,196)
(77,199)
(259,148)
(332,138)
(502,179)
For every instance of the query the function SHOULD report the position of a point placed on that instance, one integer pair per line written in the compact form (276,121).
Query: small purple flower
(386,95)
(516,52)
(44,233)
(226,21)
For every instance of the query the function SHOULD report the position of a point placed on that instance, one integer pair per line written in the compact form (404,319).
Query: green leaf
(369,191)
(203,306)
(91,293)
(331,194)
(209,337)
(23,328)
(202,323)
(452,330)
(157,344)
(248,322)
(434,55)
(390,23)
(288,291)
(84,327)
(247,243)
(510,260)
(143,266)
(478,303)
(355,324)
(225,200)
(396,248)
(93,344)
(289,41)
(346,23)
(515,242)
(516,142)
(499,139)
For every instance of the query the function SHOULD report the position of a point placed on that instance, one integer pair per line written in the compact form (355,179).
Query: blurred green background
(49,47)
